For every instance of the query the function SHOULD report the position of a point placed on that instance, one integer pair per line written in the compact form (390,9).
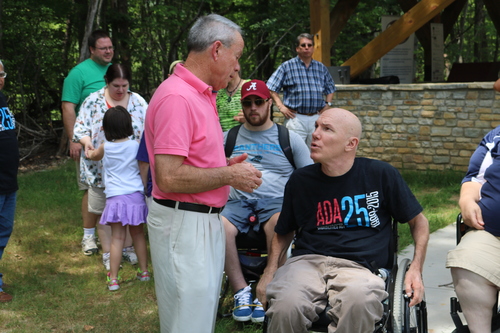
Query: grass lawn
(58,289)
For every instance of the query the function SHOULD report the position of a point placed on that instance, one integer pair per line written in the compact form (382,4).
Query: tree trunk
(121,31)
(91,15)
(1,28)
(479,34)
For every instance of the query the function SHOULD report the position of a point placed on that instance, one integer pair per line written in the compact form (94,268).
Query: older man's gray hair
(304,35)
(208,29)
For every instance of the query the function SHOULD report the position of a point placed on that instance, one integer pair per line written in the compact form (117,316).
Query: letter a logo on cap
(253,86)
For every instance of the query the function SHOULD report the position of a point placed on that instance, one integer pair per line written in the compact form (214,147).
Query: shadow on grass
(57,289)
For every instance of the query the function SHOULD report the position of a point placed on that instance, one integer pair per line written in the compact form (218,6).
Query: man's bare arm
(414,286)
(496,85)
(279,104)
(174,176)
(69,118)
(471,212)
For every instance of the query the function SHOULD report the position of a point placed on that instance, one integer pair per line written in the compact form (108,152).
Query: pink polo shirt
(182,120)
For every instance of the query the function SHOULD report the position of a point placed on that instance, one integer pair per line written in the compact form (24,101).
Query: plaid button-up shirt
(303,88)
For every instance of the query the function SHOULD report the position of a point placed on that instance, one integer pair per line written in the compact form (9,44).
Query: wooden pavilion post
(320,29)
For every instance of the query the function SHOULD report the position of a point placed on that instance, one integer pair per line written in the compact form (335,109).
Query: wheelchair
(398,316)
(455,309)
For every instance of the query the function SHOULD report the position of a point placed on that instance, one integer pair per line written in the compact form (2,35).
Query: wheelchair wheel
(404,319)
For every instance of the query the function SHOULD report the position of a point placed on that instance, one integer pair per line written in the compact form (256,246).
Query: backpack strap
(284,139)
(231,140)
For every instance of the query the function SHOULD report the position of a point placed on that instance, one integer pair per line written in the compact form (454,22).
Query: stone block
(465,123)
(440,131)
(425,130)
(441,159)
(472,95)
(459,161)
(483,110)
(439,122)
(486,103)
(490,117)
(410,102)
(457,131)
(482,124)
(459,94)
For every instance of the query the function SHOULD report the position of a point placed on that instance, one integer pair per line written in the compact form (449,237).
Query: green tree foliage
(40,42)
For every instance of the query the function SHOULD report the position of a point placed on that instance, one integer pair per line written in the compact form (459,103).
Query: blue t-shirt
(142,155)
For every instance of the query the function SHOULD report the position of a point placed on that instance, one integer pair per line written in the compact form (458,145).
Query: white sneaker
(129,255)
(89,245)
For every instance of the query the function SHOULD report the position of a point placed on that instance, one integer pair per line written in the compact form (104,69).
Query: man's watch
(329,103)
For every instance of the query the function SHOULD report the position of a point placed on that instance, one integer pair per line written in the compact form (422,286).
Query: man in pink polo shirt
(191,177)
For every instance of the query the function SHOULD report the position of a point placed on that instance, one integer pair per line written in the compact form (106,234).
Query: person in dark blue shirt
(474,263)
(9,155)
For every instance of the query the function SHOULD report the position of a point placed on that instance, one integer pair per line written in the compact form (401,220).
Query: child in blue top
(125,205)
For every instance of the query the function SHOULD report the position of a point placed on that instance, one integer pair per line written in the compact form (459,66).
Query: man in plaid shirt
(305,83)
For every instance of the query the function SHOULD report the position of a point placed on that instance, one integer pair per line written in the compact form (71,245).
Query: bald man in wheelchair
(339,211)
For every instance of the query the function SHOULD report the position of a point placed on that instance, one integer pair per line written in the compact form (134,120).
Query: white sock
(88,232)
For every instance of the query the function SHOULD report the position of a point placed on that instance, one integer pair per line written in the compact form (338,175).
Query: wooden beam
(339,16)
(493,7)
(448,18)
(410,22)
(320,29)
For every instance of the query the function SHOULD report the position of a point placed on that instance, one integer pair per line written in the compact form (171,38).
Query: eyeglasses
(109,48)
(248,102)
(3,75)
(304,45)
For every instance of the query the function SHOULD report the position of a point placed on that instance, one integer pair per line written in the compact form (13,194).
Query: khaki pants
(303,125)
(301,288)
(187,251)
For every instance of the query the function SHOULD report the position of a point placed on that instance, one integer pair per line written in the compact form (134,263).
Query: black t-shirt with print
(348,216)
(9,149)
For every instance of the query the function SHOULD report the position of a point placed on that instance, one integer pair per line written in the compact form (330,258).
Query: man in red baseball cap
(259,138)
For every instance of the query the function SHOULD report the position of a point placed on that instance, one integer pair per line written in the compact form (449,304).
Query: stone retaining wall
(421,126)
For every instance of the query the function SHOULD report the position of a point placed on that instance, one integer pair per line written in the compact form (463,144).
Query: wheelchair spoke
(405,319)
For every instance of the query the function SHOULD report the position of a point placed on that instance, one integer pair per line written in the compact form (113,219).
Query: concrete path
(437,279)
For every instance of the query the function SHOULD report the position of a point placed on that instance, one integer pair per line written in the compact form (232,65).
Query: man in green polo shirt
(83,79)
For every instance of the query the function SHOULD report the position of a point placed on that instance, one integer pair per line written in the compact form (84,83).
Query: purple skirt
(128,209)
